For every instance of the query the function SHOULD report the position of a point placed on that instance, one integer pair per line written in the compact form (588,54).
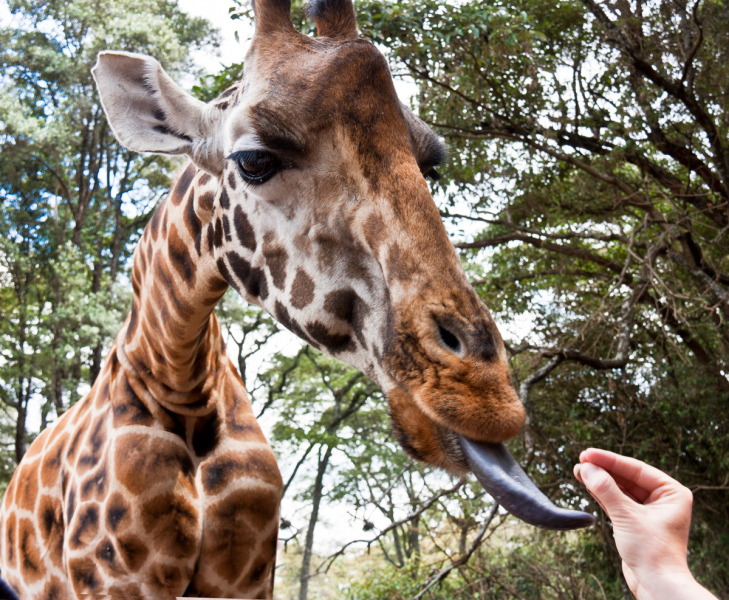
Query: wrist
(677,584)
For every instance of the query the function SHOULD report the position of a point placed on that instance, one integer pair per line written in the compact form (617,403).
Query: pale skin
(651,514)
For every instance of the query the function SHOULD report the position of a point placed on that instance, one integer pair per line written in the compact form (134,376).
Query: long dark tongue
(503,478)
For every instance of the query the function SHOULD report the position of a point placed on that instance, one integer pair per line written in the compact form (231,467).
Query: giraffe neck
(171,345)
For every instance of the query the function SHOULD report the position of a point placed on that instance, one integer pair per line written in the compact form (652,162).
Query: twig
(393,483)
(332,557)
(464,557)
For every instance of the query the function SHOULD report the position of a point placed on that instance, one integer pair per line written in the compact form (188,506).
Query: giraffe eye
(256,166)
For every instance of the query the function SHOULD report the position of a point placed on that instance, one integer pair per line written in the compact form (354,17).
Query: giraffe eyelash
(256,166)
(433,174)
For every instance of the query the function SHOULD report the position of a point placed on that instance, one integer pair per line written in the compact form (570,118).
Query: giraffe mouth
(503,478)
(439,445)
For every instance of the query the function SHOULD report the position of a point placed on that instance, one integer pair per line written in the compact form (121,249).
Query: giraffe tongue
(503,478)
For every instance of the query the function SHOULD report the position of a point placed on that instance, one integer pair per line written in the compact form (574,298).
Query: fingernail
(588,470)
(576,471)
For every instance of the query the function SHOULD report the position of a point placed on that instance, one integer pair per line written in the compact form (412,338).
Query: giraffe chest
(207,508)
(240,487)
(121,504)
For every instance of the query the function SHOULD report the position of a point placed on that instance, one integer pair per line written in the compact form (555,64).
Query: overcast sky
(217,12)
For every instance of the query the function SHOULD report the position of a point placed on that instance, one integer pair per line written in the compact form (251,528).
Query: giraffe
(306,192)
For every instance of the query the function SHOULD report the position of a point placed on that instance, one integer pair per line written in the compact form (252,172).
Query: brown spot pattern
(180,256)
(50,522)
(93,445)
(243,229)
(253,279)
(226,229)
(10,538)
(85,525)
(141,461)
(95,485)
(54,590)
(128,408)
(173,523)
(206,200)
(276,260)
(234,521)
(241,423)
(224,200)
(206,434)
(302,289)
(118,513)
(27,488)
(29,555)
(194,226)
(256,464)
(107,557)
(183,184)
(52,460)
(133,551)
(84,575)
(334,342)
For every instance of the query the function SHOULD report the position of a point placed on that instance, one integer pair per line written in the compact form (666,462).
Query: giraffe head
(324,218)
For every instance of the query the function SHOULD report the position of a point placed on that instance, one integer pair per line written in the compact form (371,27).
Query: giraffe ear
(333,18)
(149,112)
(272,16)
(428,147)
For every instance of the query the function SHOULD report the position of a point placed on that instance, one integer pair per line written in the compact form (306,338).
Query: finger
(635,471)
(635,493)
(629,494)
(631,488)
(604,489)
(598,502)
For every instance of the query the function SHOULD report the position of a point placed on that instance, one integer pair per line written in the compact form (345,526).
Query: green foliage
(544,565)
(391,583)
(211,86)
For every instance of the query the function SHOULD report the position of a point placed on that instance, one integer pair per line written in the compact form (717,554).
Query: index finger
(632,470)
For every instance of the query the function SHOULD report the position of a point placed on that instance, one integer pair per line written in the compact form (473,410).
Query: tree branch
(325,565)
(537,243)
(440,576)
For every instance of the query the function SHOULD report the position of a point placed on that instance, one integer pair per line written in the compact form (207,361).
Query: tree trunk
(414,540)
(115,247)
(22,399)
(318,488)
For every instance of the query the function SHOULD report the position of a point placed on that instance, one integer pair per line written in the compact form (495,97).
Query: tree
(589,143)
(315,397)
(73,200)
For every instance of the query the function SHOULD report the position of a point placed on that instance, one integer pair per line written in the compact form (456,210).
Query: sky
(217,12)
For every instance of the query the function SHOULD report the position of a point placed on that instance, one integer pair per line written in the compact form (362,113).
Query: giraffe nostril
(449,339)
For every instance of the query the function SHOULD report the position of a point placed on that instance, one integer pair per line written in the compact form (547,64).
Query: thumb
(603,488)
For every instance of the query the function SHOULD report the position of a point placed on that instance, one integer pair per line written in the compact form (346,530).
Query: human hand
(651,514)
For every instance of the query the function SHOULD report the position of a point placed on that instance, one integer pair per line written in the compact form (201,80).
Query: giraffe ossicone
(305,191)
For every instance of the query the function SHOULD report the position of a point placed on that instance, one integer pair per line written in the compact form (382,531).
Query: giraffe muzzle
(460,406)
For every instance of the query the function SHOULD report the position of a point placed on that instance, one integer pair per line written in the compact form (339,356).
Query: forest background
(587,191)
